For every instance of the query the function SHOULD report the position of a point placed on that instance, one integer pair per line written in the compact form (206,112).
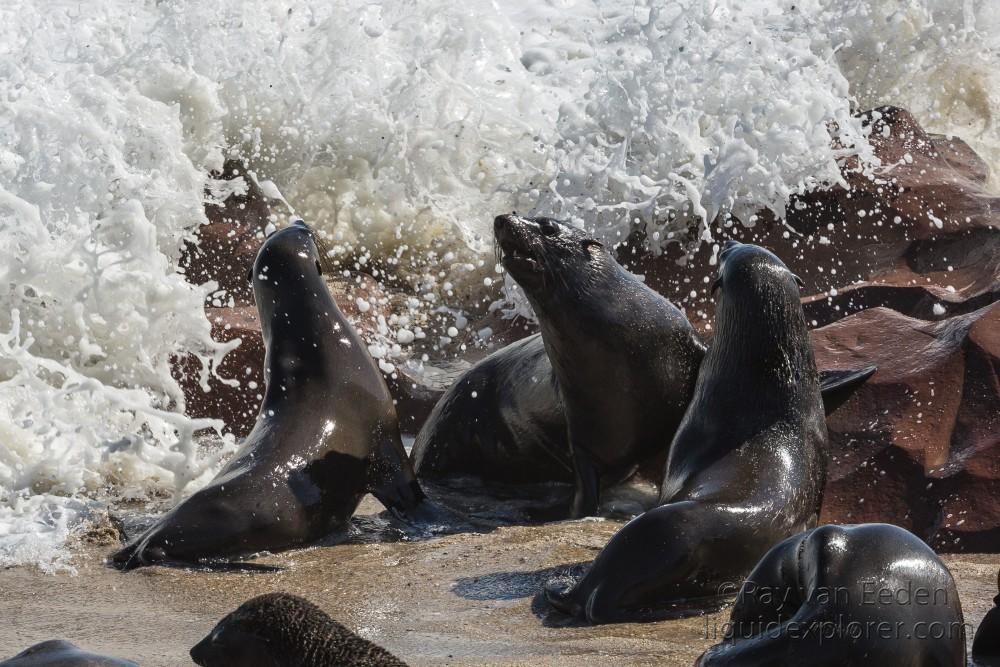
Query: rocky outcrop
(919,444)
(225,247)
(918,231)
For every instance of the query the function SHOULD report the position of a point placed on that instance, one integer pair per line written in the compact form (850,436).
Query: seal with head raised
(282,630)
(624,365)
(866,595)
(60,653)
(326,434)
(624,359)
(745,470)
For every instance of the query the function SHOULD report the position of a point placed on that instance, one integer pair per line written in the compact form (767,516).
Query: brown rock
(919,444)
(923,220)
(224,249)
(236,397)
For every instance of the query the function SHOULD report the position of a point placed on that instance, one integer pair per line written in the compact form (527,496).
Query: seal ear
(250,275)
(319,268)
(798,281)
(716,285)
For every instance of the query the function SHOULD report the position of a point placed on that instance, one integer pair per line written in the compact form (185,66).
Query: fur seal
(504,419)
(282,630)
(745,470)
(624,359)
(60,653)
(986,644)
(326,433)
(866,595)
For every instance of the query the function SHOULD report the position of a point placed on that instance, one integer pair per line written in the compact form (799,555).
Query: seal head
(282,630)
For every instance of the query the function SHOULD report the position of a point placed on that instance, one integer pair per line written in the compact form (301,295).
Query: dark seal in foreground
(282,630)
(326,434)
(870,595)
(59,653)
(986,644)
(624,362)
(746,468)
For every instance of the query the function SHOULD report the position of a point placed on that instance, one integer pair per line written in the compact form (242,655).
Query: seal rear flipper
(125,558)
(839,385)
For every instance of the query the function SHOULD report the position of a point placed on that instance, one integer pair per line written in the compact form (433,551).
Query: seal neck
(305,338)
(762,346)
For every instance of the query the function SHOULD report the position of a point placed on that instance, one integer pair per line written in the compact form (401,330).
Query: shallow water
(467,599)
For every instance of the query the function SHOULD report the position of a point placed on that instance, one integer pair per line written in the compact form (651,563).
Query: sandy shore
(467,599)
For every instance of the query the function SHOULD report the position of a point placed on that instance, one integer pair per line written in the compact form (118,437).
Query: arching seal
(504,419)
(624,358)
(868,595)
(326,433)
(60,653)
(282,630)
(986,644)
(746,468)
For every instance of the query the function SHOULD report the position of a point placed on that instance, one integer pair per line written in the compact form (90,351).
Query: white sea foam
(398,130)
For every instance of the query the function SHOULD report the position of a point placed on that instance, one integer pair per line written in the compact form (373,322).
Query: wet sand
(466,599)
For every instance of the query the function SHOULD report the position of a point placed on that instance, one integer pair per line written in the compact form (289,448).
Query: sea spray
(398,130)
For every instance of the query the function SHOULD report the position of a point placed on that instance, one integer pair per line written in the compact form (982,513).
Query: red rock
(919,444)
(224,249)
(878,234)
(236,400)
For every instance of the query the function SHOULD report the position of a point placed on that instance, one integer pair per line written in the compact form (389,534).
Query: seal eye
(548,227)
(590,245)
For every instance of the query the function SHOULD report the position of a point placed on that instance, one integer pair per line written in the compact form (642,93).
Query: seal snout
(512,238)
(501,222)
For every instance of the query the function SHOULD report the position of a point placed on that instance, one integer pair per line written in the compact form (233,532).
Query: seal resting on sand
(326,434)
(60,653)
(869,595)
(746,468)
(282,630)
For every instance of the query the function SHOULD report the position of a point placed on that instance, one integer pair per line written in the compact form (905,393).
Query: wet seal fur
(746,468)
(865,595)
(504,419)
(282,630)
(326,434)
(624,359)
(986,644)
(60,653)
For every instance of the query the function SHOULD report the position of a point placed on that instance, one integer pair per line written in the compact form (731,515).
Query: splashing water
(397,130)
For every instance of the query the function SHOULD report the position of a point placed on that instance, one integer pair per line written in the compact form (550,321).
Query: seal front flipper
(839,385)
(586,497)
